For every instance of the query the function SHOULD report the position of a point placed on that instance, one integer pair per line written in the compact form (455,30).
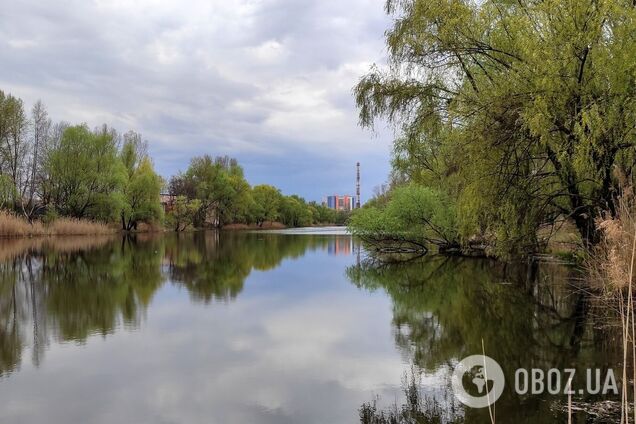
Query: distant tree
(141,196)
(220,186)
(57,131)
(322,214)
(294,212)
(142,186)
(86,176)
(342,217)
(267,201)
(13,143)
(7,191)
(236,202)
(182,213)
(133,150)
(181,185)
(31,201)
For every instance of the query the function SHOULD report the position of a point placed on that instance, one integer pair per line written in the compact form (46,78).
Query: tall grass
(612,267)
(417,409)
(15,226)
(70,226)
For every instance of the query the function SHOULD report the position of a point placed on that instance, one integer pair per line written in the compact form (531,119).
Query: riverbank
(268,225)
(13,226)
(275,225)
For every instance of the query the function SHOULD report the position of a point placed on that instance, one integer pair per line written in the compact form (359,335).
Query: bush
(413,213)
(49,216)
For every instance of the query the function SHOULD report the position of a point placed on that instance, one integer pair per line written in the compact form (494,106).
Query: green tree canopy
(294,212)
(142,187)
(13,145)
(523,110)
(141,195)
(182,213)
(86,177)
(413,214)
(267,200)
(220,186)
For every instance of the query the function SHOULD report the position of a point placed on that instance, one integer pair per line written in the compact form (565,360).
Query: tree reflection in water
(70,288)
(528,316)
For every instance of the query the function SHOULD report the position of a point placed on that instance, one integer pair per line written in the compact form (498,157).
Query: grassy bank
(15,226)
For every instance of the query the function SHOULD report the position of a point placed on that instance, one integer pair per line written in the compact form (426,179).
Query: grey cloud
(269,80)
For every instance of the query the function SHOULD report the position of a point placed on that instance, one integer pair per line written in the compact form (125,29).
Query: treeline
(50,170)
(214,192)
(514,119)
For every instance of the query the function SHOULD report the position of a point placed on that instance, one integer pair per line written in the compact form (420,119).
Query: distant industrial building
(345,202)
(340,203)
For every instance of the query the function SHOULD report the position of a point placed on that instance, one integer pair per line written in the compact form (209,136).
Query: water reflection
(69,288)
(236,327)
(527,316)
(61,290)
(211,270)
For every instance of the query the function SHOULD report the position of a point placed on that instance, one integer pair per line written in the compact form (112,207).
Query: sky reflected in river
(266,328)
(299,344)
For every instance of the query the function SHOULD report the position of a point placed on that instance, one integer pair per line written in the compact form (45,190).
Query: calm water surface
(268,328)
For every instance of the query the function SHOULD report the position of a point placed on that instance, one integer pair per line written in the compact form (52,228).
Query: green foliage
(220,186)
(49,216)
(341,217)
(413,213)
(226,197)
(8,191)
(267,201)
(141,195)
(322,214)
(86,177)
(13,148)
(520,111)
(142,187)
(72,171)
(294,212)
(182,213)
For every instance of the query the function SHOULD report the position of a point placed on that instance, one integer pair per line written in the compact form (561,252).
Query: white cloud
(21,43)
(270,51)
(267,77)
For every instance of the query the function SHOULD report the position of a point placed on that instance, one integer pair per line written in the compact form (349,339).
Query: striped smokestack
(358,185)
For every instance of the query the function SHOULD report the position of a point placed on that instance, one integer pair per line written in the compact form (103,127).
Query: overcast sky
(266,81)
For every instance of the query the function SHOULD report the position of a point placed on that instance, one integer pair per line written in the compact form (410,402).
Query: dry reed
(611,266)
(15,226)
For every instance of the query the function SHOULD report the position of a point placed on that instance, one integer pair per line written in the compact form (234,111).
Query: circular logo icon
(478,381)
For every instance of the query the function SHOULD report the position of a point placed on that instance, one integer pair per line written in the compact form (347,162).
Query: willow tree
(525,110)
(142,185)
(85,174)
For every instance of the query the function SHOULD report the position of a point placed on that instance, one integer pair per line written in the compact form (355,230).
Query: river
(278,327)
